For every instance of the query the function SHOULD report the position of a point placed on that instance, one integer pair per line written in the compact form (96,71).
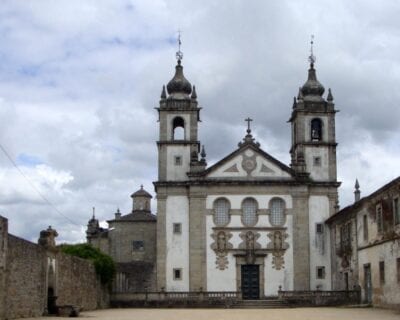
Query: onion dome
(312,87)
(179,84)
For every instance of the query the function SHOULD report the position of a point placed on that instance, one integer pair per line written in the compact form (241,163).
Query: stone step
(270,303)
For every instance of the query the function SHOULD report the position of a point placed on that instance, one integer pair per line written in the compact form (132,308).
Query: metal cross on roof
(248,120)
(179,53)
(312,58)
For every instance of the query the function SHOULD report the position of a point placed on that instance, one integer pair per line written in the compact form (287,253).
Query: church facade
(248,223)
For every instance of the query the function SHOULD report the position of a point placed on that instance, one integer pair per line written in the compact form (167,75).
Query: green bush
(104,264)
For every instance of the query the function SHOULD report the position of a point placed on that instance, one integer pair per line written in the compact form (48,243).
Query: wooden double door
(250,281)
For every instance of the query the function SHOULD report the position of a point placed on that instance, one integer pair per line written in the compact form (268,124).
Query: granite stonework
(130,240)
(31,273)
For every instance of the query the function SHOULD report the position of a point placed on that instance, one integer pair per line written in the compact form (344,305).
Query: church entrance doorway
(250,281)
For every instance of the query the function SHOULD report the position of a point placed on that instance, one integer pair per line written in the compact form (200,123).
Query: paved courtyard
(241,314)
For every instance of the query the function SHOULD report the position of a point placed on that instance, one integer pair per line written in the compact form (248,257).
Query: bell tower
(179,114)
(313,151)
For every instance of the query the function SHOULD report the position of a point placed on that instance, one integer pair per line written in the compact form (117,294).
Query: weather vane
(312,58)
(179,53)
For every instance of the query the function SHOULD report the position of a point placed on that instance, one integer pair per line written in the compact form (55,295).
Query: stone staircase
(268,303)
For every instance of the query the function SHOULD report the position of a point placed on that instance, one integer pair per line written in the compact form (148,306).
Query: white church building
(248,223)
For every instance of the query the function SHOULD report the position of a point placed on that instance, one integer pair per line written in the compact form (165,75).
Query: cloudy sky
(79,81)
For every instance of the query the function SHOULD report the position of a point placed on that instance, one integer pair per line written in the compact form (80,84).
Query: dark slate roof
(349,209)
(141,193)
(138,216)
(179,84)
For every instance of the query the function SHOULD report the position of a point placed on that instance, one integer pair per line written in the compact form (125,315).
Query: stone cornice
(260,182)
(244,228)
(178,142)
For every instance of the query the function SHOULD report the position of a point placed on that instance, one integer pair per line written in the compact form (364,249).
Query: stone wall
(25,279)
(124,233)
(27,270)
(136,276)
(78,284)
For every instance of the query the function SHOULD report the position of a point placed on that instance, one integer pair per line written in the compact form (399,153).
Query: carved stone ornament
(250,244)
(249,240)
(249,163)
(278,247)
(233,168)
(221,246)
(278,262)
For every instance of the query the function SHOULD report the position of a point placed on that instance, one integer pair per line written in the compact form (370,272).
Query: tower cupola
(179,114)
(312,89)
(141,200)
(179,87)
(313,149)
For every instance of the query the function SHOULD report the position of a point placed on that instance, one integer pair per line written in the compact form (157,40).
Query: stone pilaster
(161,241)
(197,240)
(301,242)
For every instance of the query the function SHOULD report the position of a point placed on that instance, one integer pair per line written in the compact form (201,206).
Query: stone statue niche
(250,245)
(278,247)
(221,246)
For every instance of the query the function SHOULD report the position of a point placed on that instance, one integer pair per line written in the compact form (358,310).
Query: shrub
(104,264)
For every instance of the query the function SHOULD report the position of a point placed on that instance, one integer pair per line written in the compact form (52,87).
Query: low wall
(164,299)
(28,270)
(320,298)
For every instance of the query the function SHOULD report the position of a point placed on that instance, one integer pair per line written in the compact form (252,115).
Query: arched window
(277,208)
(221,212)
(249,208)
(316,130)
(178,129)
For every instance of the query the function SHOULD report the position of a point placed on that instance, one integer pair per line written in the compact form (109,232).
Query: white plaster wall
(275,171)
(321,172)
(175,172)
(389,292)
(219,172)
(220,280)
(283,277)
(372,226)
(225,280)
(177,255)
(186,119)
(318,213)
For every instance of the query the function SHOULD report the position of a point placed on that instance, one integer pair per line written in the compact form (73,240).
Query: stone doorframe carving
(241,259)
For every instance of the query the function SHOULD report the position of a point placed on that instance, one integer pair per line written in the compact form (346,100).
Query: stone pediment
(249,162)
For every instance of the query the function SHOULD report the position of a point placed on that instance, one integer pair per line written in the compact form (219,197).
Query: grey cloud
(79,91)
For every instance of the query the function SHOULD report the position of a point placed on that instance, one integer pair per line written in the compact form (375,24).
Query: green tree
(104,264)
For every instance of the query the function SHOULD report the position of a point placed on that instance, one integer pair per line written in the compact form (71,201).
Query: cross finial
(248,120)
(312,58)
(179,53)
(141,186)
